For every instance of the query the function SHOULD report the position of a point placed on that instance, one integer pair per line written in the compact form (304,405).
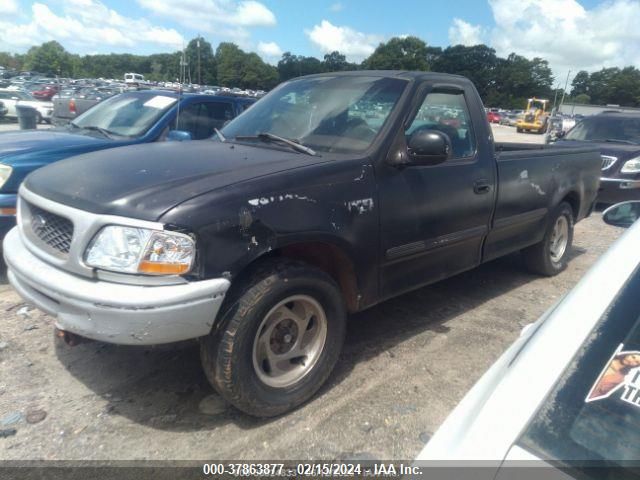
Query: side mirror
(622,214)
(178,136)
(429,147)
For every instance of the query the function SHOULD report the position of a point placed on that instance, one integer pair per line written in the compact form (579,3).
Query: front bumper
(615,190)
(113,312)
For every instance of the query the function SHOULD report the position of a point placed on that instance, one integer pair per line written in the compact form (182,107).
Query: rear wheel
(549,257)
(518,129)
(280,339)
(39,118)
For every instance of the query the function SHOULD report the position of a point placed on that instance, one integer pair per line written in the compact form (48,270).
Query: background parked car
(45,92)
(493,117)
(75,102)
(11,98)
(126,119)
(617,134)
(568,390)
(509,119)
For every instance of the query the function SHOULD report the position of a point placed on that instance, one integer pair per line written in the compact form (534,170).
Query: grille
(54,230)
(529,118)
(607,161)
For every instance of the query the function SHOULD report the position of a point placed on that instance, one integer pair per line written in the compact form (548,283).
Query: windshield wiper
(94,128)
(221,137)
(103,131)
(270,137)
(618,140)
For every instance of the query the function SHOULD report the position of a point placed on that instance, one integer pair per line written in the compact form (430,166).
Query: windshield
(128,114)
(603,128)
(593,413)
(328,114)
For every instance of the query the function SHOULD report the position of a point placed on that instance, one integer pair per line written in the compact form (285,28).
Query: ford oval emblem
(38,221)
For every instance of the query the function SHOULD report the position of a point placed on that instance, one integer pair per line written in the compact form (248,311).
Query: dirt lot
(405,365)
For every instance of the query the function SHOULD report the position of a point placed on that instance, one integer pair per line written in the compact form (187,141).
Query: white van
(133,78)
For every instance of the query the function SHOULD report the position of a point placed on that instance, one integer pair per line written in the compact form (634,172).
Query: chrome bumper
(113,312)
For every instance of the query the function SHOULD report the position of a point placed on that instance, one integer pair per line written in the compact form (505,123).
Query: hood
(30,141)
(144,181)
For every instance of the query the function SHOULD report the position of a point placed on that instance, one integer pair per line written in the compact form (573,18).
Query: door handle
(481,187)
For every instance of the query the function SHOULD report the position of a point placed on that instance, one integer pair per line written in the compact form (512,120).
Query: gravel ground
(406,364)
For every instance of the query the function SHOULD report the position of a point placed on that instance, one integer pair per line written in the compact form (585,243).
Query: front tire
(281,336)
(549,257)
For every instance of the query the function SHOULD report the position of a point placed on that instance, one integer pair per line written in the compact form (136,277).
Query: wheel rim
(559,238)
(289,341)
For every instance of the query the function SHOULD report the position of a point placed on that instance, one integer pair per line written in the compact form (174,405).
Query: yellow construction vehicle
(535,117)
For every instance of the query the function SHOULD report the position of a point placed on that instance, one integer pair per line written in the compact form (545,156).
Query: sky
(571,34)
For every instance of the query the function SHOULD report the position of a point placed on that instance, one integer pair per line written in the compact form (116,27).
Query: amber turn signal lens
(158,268)
(7,211)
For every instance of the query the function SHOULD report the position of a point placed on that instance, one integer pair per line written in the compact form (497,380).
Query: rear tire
(518,129)
(549,257)
(282,332)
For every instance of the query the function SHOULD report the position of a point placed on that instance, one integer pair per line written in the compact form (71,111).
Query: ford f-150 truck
(333,193)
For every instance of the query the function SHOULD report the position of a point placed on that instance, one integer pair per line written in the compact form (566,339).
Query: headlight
(140,250)
(5,173)
(631,166)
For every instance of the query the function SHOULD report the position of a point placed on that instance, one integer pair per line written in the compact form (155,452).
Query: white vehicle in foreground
(11,98)
(567,393)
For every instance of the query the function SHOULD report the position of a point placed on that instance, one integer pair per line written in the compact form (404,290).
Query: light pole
(566,83)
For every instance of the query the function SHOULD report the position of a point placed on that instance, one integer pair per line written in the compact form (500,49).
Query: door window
(447,113)
(201,119)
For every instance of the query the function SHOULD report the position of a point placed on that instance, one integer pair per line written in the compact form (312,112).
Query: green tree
(237,68)
(581,98)
(517,78)
(230,59)
(291,66)
(478,63)
(256,74)
(11,60)
(50,58)
(408,53)
(581,83)
(336,62)
(625,88)
(602,85)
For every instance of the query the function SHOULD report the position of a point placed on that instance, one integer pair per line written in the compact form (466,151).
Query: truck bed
(531,180)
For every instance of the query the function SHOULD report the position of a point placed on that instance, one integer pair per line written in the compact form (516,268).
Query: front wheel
(279,340)
(549,257)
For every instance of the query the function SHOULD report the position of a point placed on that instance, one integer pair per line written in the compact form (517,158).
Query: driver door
(434,218)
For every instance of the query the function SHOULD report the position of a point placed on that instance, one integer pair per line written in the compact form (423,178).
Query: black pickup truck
(331,194)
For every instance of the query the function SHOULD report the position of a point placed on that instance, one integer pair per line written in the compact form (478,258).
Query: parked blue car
(126,119)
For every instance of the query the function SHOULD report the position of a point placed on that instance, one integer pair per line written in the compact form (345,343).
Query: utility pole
(198,45)
(555,97)
(566,83)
